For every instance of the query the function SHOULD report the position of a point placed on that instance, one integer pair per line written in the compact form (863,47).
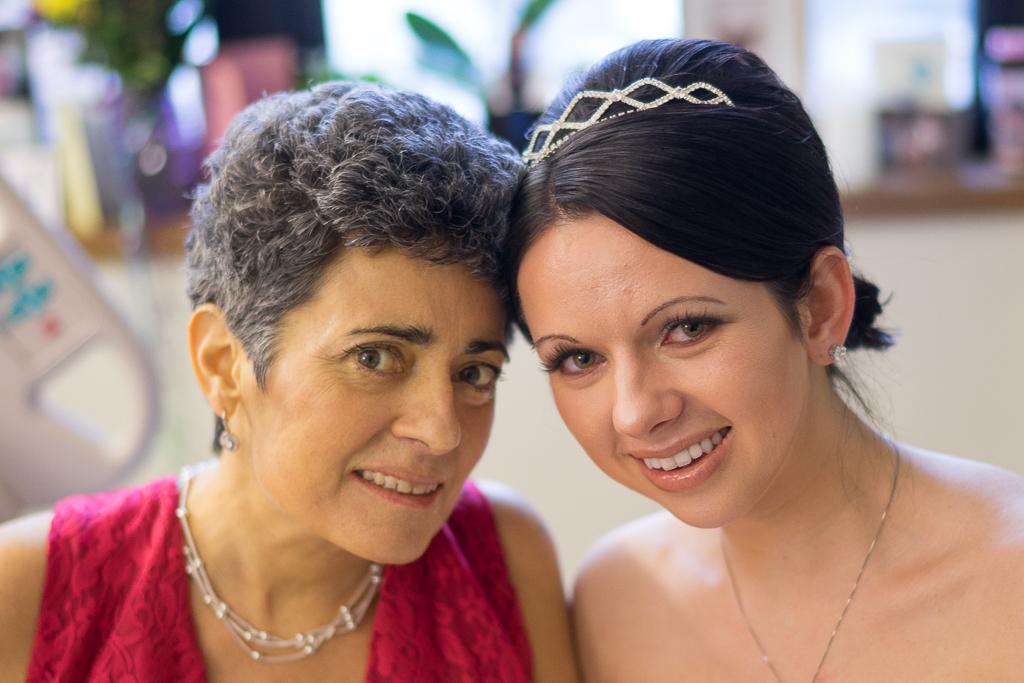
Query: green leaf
(532,13)
(440,52)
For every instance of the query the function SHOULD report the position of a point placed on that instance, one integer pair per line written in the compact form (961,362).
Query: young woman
(679,258)
(348,330)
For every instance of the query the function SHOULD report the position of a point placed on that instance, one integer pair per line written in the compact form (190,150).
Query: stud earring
(837,352)
(227,440)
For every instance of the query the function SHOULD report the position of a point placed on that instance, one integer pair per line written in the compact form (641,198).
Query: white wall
(955,379)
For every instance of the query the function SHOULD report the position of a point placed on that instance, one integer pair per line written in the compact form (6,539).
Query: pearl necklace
(256,641)
(849,598)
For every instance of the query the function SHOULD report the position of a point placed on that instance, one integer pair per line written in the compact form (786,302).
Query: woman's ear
(828,304)
(216,358)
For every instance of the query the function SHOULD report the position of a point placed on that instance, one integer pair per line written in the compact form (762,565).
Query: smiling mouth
(398,485)
(688,454)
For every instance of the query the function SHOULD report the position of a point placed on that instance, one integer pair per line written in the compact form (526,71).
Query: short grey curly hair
(300,176)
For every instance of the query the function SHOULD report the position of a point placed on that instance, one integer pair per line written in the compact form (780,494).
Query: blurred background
(107,108)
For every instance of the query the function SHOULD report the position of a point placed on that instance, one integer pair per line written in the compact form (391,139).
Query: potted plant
(441,53)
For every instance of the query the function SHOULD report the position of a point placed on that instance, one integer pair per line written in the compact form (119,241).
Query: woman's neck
(824,506)
(266,566)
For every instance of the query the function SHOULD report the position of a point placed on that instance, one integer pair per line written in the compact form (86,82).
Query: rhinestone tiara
(550,136)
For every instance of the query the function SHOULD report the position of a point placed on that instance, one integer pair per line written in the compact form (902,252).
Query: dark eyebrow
(482,345)
(647,318)
(679,300)
(424,336)
(410,333)
(563,337)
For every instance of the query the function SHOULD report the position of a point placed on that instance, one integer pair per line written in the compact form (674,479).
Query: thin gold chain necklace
(849,598)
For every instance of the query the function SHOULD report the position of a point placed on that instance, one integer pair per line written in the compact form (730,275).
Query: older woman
(679,255)
(348,331)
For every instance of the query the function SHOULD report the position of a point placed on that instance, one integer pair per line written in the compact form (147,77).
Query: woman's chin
(388,541)
(396,551)
(704,519)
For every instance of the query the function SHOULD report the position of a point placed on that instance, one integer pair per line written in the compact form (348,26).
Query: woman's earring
(837,352)
(227,440)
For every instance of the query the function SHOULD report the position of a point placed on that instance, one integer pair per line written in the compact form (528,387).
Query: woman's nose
(643,401)
(428,414)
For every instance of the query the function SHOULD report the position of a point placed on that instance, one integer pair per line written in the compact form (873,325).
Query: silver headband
(550,137)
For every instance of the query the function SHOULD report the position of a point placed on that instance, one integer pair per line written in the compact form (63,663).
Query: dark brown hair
(745,190)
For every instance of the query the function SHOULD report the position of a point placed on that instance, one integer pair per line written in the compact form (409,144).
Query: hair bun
(863,334)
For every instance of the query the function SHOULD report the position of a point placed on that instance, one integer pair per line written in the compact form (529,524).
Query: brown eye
(479,376)
(688,331)
(381,360)
(581,360)
(693,330)
(572,361)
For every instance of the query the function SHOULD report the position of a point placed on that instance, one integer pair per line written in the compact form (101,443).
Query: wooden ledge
(972,188)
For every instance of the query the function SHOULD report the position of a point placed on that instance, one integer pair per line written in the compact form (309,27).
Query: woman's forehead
(367,289)
(606,259)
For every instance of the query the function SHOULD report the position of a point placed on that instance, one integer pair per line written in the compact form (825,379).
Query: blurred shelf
(972,188)
(163,238)
(975,188)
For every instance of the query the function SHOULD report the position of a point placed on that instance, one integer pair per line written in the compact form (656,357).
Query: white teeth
(399,485)
(668,463)
(686,455)
(375,477)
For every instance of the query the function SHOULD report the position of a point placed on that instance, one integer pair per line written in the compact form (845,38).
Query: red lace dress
(115,603)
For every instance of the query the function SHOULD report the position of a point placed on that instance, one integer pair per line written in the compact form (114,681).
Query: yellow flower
(58,11)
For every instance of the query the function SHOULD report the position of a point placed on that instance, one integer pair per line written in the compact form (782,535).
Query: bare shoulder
(636,549)
(518,524)
(533,570)
(633,586)
(964,471)
(22,566)
(977,510)
(22,571)
(529,550)
(991,497)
